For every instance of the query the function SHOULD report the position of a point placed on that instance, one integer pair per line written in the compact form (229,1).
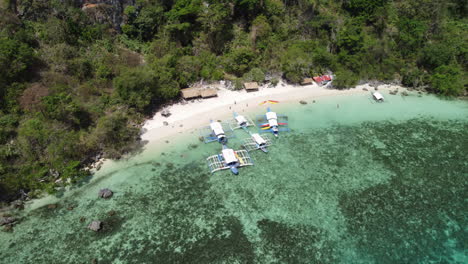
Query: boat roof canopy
(378,96)
(229,155)
(271,115)
(217,128)
(241,119)
(258,139)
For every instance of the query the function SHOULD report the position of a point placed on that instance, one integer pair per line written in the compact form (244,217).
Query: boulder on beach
(95,226)
(302,102)
(165,113)
(7,220)
(365,89)
(404,93)
(105,193)
(165,123)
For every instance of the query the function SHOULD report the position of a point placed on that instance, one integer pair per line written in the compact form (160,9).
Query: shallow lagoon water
(355,182)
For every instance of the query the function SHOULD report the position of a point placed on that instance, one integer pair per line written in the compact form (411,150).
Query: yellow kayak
(265,128)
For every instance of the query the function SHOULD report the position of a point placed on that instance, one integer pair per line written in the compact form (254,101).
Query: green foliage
(113,134)
(136,87)
(365,9)
(61,107)
(345,79)
(437,54)
(239,61)
(447,80)
(255,74)
(15,59)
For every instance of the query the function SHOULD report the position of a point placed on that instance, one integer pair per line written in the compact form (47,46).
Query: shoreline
(191,115)
(194,113)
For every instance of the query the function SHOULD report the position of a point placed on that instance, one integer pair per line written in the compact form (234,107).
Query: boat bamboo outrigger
(272,122)
(216,131)
(229,159)
(240,121)
(257,141)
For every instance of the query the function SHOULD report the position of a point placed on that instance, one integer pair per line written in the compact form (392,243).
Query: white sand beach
(195,113)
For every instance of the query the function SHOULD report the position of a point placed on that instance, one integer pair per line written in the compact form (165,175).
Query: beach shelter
(251,86)
(190,93)
(318,79)
(207,93)
(307,81)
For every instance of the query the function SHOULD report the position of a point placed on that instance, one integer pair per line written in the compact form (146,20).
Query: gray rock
(8,228)
(105,193)
(95,226)
(365,89)
(404,93)
(7,220)
(303,102)
(52,206)
(18,204)
(165,113)
(165,123)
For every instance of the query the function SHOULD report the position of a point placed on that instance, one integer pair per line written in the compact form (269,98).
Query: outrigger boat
(240,121)
(378,97)
(273,123)
(216,131)
(256,141)
(229,159)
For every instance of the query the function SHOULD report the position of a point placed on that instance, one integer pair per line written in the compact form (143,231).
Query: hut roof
(318,79)
(249,86)
(209,93)
(307,81)
(190,93)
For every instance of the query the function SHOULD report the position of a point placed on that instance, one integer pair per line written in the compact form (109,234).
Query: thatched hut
(251,86)
(307,81)
(190,93)
(207,93)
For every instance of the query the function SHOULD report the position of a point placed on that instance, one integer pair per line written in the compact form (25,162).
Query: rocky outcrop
(105,193)
(106,11)
(95,226)
(100,11)
(7,220)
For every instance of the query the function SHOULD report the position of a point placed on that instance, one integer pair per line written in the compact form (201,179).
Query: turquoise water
(355,182)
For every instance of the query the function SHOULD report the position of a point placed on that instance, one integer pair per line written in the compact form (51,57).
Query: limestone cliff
(100,11)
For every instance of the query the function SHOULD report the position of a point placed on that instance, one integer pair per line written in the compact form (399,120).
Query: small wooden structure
(251,86)
(307,81)
(190,93)
(322,80)
(207,93)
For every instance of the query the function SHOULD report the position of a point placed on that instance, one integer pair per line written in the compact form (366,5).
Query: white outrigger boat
(216,131)
(256,141)
(240,121)
(273,123)
(229,159)
(378,97)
